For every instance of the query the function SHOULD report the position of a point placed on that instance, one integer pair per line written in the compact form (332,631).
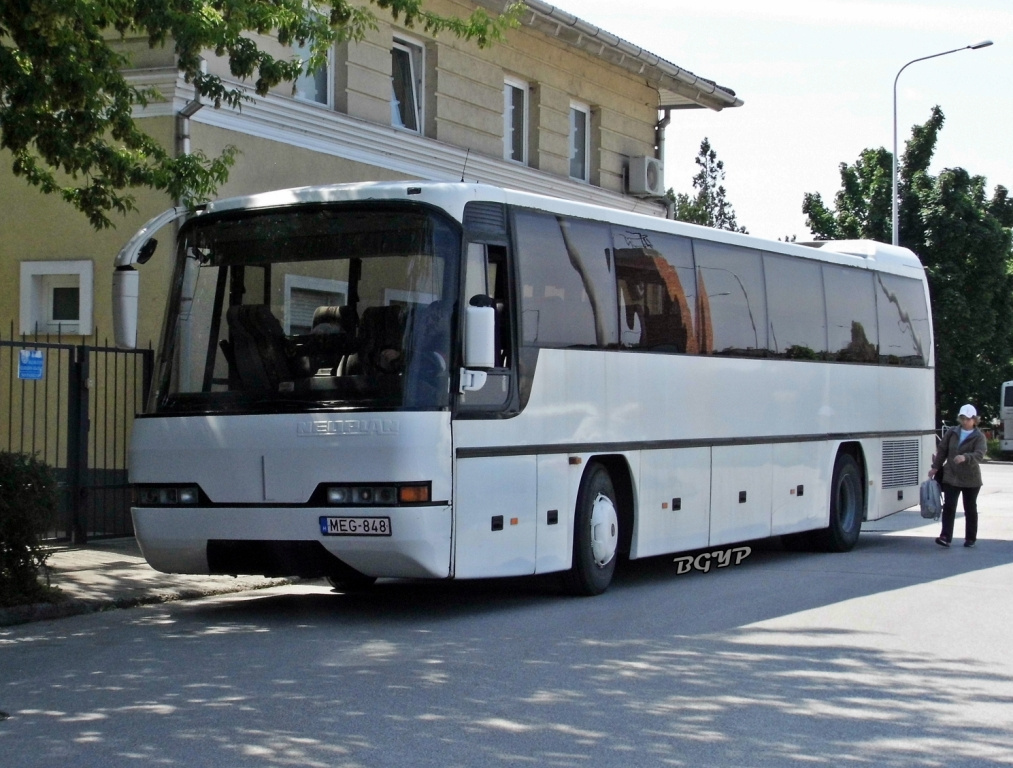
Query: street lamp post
(974,47)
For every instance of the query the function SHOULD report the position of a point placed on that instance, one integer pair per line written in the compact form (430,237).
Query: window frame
(328,72)
(856,281)
(579,294)
(511,84)
(416,65)
(891,318)
(577,107)
(676,251)
(779,293)
(38,279)
(739,269)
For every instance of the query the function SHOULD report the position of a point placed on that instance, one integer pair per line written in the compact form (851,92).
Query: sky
(817,80)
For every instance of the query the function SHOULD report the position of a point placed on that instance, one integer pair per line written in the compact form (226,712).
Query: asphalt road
(896,654)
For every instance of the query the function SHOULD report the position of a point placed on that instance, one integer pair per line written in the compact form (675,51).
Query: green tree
(963,238)
(65,106)
(27,508)
(709,206)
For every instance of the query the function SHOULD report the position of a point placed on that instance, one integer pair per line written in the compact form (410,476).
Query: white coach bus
(431,380)
(1006,417)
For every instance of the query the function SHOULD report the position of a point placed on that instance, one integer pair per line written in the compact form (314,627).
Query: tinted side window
(903,320)
(733,307)
(851,314)
(568,294)
(656,289)
(797,318)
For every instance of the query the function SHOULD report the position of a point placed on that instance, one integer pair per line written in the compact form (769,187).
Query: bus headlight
(379,495)
(339,495)
(165,495)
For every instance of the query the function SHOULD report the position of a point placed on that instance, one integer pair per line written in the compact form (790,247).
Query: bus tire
(595,534)
(847,506)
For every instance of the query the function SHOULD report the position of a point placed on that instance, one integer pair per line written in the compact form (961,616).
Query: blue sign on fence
(31,364)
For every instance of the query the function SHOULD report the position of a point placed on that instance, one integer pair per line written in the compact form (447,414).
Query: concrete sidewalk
(113,574)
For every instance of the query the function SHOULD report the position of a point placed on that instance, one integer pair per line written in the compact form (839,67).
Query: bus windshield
(311,308)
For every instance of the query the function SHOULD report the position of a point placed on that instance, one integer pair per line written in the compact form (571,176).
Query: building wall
(41,227)
(362,77)
(550,115)
(464,94)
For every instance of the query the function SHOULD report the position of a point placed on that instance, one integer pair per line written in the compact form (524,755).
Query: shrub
(27,506)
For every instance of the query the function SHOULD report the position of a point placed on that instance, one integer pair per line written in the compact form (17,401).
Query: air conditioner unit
(646,177)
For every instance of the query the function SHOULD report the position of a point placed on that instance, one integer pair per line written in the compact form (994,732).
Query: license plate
(355,526)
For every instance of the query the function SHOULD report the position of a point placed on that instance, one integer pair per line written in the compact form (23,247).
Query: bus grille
(900,463)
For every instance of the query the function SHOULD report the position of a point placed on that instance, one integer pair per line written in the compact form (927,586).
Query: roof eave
(677,88)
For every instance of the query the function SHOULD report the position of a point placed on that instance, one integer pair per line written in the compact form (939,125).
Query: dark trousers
(950,495)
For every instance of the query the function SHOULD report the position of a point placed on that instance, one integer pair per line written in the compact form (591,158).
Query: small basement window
(56,297)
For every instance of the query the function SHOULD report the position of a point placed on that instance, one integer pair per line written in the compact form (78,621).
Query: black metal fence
(73,405)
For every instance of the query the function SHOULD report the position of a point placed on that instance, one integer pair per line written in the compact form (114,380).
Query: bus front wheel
(595,534)
(847,506)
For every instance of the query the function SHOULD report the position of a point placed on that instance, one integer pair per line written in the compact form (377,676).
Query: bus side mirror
(126,289)
(480,334)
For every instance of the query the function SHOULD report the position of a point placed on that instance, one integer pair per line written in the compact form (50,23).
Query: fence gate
(73,405)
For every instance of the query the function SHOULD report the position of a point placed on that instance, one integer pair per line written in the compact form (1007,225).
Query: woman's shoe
(942,542)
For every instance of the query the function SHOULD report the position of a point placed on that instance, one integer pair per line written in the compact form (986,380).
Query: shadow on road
(697,669)
(733,594)
(738,666)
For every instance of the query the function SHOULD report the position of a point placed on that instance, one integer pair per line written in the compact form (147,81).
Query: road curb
(26,614)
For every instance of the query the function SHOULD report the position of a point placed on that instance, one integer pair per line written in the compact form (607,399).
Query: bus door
(495,493)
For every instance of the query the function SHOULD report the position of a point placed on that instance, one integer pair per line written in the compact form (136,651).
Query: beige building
(560,107)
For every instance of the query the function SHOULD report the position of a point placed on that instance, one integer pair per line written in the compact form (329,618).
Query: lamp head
(982,44)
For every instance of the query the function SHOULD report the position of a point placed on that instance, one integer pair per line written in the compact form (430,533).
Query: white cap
(968,411)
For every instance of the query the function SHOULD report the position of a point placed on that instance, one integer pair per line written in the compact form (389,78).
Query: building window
(580,141)
(406,86)
(304,295)
(56,297)
(313,87)
(515,121)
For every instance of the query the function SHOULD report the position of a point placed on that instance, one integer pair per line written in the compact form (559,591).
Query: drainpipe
(183,118)
(183,126)
(659,153)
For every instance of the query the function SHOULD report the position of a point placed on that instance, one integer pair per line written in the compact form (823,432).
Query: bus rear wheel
(595,534)
(847,506)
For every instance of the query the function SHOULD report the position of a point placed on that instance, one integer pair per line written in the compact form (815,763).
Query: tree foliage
(963,238)
(709,206)
(27,508)
(66,107)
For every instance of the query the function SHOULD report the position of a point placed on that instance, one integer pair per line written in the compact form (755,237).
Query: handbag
(929,496)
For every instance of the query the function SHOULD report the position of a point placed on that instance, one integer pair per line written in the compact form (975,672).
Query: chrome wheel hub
(604,530)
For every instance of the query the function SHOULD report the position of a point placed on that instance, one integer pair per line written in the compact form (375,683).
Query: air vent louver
(900,463)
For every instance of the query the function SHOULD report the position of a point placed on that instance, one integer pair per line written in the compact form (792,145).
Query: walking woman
(957,466)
